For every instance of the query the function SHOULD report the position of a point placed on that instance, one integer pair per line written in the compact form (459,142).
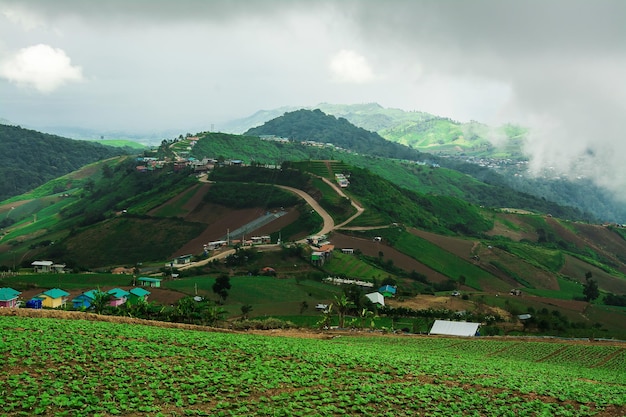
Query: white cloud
(350,67)
(40,66)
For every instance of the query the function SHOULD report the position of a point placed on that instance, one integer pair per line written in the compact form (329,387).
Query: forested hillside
(303,125)
(29,158)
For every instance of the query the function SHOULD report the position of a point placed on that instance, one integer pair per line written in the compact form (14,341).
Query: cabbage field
(56,367)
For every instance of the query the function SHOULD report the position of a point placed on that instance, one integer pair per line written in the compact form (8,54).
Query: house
(137,295)
(122,270)
(53,298)
(317,258)
(118,297)
(58,268)
(84,300)
(42,266)
(8,297)
(376,298)
(387,290)
(347,251)
(150,282)
(454,328)
(184,259)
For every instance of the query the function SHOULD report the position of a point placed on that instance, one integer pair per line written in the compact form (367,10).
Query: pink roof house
(118,296)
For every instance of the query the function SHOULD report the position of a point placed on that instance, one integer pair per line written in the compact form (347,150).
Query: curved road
(328,226)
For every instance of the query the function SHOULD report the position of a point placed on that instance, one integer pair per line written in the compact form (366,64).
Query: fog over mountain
(556,66)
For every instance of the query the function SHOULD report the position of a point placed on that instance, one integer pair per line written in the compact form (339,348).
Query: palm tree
(343,306)
(100,301)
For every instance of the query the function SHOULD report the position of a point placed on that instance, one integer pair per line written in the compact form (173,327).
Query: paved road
(328,226)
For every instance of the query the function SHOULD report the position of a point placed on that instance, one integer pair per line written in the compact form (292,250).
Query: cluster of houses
(342,180)
(57,297)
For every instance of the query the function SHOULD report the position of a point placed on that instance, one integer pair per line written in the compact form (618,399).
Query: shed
(376,298)
(454,328)
(53,298)
(137,294)
(8,297)
(150,282)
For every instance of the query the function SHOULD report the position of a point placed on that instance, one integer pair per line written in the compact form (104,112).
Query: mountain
(471,148)
(29,158)
(314,125)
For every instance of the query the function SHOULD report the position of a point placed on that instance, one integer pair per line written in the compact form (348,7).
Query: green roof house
(8,297)
(137,295)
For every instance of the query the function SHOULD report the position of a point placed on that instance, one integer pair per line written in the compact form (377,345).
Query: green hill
(29,158)
(307,125)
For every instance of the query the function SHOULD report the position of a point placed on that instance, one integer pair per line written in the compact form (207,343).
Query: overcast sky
(147,65)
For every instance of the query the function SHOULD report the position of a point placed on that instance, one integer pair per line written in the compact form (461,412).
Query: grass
(445,262)
(267,295)
(352,267)
(567,290)
(65,281)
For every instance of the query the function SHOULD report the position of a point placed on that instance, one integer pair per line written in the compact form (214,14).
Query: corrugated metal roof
(118,293)
(376,297)
(139,292)
(7,294)
(454,328)
(55,293)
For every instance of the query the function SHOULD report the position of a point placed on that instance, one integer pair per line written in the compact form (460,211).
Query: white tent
(454,328)
(376,298)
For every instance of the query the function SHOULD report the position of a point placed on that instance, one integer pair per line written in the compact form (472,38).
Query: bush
(257,324)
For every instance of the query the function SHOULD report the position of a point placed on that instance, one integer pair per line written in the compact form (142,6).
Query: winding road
(328,222)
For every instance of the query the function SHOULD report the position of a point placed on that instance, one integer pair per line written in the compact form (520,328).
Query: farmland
(54,366)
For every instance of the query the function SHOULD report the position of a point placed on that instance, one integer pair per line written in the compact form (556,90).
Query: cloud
(349,67)
(40,66)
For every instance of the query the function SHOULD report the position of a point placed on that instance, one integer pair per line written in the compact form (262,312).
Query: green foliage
(314,125)
(238,195)
(29,158)
(436,213)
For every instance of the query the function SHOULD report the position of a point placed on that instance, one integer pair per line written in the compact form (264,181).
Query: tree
(590,289)
(215,314)
(245,310)
(343,305)
(100,301)
(221,286)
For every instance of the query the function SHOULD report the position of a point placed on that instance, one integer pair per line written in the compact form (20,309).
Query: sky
(555,66)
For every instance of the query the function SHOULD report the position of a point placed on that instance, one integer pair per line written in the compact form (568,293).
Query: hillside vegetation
(29,158)
(122,213)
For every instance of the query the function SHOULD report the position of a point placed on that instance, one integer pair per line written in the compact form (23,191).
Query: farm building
(376,298)
(42,266)
(387,290)
(150,282)
(53,298)
(454,328)
(184,259)
(8,297)
(137,295)
(118,296)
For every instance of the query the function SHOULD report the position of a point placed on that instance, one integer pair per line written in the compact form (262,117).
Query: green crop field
(57,367)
